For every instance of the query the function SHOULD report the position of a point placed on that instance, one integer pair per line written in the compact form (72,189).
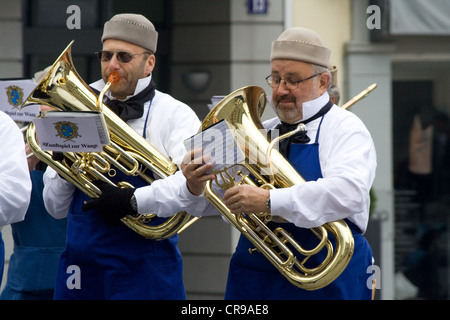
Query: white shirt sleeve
(15,182)
(170,122)
(166,197)
(57,194)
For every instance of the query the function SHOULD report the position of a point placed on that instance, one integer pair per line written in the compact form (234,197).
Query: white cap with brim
(301,44)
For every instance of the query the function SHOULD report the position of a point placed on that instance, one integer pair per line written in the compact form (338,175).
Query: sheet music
(72,131)
(217,141)
(103,130)
(13,94)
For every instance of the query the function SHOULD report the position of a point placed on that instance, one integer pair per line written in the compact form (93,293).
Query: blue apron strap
(318,129)
(146,120)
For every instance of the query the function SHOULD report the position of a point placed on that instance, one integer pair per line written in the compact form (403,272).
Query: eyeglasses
(122,56)
(290,83)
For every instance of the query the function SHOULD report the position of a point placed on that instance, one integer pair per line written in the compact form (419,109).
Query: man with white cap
(336,157)
(105,259)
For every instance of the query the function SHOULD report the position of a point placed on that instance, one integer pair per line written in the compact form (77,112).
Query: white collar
(310,108)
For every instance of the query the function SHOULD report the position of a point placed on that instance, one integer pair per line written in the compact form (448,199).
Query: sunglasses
(122,56)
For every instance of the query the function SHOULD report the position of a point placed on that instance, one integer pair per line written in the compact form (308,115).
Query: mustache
(288,98)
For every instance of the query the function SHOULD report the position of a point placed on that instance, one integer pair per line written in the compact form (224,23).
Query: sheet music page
(12,94)
(217,141)
(71,131)
(103,130)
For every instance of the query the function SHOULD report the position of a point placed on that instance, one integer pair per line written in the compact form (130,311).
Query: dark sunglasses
(122,56)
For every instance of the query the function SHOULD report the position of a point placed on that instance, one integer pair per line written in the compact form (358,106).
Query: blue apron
(113,261)
(253,277)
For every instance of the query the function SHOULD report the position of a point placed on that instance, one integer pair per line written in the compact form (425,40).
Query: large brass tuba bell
(62,88)
(242,110)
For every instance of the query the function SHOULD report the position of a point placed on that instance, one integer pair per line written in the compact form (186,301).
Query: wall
(367,63)
(252,37)
(332,20)
(11,26)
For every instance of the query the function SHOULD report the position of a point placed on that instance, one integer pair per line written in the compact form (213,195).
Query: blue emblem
(15,95)
(67,130)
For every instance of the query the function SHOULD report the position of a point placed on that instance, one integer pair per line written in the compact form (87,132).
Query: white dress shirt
(348,162)
(15,182)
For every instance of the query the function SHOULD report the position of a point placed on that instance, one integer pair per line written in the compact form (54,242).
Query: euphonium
(242,110)
(62,88)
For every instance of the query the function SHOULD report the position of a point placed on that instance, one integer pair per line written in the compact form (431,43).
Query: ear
(150,64)
(325,79)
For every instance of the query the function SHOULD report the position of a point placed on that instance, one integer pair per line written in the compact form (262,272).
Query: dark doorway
(421,201)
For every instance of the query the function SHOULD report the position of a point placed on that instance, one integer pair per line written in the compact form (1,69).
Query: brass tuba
(242,110)
(62,88)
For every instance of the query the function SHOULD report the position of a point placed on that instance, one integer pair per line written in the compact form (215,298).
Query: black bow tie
(301,136)
(132,108)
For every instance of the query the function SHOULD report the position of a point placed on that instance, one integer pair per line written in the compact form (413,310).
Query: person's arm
(15,182)
(168,196)
(57,194)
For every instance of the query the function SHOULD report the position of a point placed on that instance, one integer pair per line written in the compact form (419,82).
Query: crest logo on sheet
(15,95)
(67,130)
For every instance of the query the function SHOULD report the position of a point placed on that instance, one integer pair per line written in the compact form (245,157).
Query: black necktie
(132,108)
(299,137)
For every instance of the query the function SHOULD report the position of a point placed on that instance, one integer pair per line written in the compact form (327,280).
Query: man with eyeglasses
(103,258)
(335,155)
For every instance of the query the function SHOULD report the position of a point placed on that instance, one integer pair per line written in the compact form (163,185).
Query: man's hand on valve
(246,199)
